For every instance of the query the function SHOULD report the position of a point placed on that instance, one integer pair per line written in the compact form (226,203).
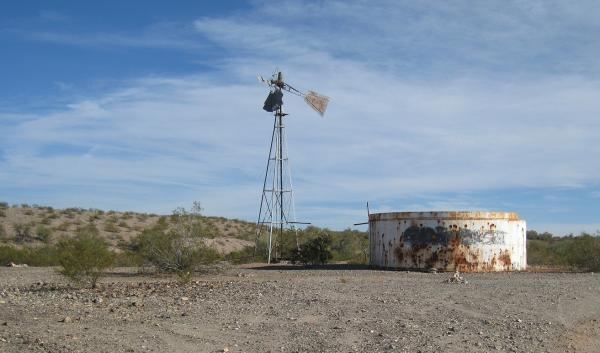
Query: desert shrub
(110,227)
(180,249)
(316,251)
(3,234)
(84,257)
(3,205)
(22,232)
(46,220)
(64,226)
(172,252)
(24,205)
(28,212)
(32,256)
(350,246)
(580,252)
(127,259)
(52,215)
(123,224)
(43,233)
(162,223)
(244,256)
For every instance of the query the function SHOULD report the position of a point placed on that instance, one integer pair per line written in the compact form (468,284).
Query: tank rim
(444,215)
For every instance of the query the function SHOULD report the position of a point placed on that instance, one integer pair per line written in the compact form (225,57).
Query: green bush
(316,251)
(244,256)
(583,252)
(162,223)
(580,252)
(43,233)
(32,256)
(180,249)
(172,252)
(85,257)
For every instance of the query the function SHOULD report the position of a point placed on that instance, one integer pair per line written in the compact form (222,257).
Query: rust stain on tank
(449,241)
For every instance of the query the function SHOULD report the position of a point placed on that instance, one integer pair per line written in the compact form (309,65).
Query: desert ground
(259,308)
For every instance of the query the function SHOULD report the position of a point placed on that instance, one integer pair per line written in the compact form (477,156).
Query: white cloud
(163,35)
(389,133)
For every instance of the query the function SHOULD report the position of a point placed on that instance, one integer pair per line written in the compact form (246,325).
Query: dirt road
(289,310)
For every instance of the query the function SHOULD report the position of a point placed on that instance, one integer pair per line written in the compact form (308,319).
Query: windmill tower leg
(277,209)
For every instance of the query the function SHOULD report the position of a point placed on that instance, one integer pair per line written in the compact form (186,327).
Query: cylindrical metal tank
(448,241)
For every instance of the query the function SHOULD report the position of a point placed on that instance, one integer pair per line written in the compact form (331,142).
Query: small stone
(66,320)
(225,350)
(184,299)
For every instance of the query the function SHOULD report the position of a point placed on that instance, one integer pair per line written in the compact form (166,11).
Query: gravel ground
(285,309)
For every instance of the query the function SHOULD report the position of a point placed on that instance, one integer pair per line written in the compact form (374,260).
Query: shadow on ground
(327,267)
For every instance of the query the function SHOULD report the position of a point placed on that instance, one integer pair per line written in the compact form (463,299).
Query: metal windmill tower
(277,212)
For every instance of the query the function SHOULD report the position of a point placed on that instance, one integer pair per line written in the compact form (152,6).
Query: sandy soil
(282,309)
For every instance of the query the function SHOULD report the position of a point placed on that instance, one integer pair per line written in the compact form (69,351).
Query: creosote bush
(85,257)
(579,252)
(316,251)
(177,250)
(43,233)
(22,232)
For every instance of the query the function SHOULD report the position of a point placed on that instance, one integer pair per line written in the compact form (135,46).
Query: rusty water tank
(448,241)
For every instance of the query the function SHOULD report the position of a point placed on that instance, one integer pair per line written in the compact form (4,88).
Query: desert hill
(36,225)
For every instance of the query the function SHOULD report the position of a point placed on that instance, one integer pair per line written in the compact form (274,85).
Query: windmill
(277,212)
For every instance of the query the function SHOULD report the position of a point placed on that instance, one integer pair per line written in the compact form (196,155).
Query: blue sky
(453,105)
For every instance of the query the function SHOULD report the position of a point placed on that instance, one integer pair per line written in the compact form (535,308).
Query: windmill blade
(261,79)
(317,101)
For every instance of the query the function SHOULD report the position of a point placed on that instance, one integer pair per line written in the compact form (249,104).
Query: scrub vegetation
(186,239)
(577,252)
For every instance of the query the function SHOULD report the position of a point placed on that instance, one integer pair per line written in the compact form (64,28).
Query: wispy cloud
(161,35)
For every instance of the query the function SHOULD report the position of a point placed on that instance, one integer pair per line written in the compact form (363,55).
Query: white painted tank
(448,241)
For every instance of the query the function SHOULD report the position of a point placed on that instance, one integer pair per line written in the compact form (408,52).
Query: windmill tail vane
(317,101)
